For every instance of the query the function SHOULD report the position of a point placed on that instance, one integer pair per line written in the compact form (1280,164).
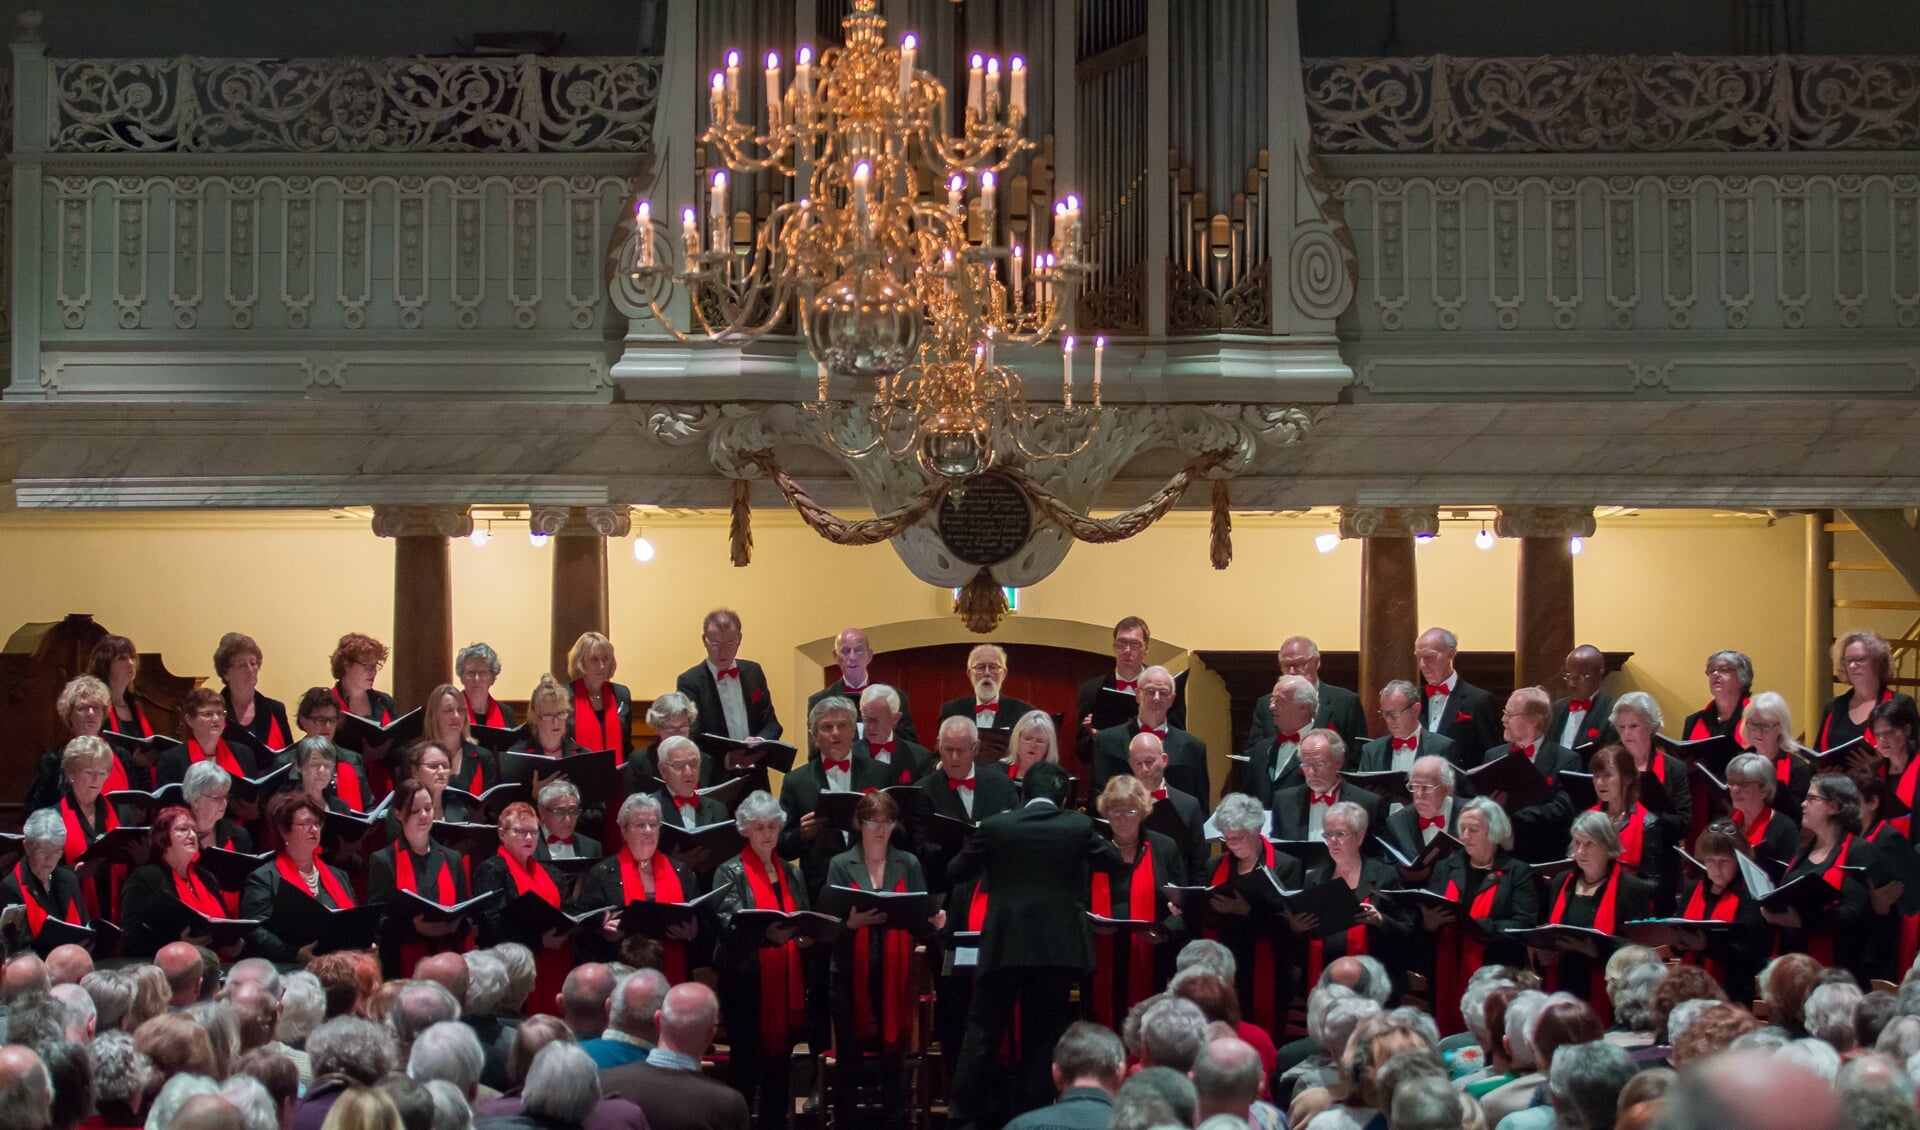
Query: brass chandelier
(889,254)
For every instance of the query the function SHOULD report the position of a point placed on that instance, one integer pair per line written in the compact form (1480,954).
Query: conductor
(1036,941)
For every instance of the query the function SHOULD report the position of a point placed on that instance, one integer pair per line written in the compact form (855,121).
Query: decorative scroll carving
(1120,306)
(567,521)
(413,521)
(1389,521)
(526,104)
(1544,522)
(1612,104)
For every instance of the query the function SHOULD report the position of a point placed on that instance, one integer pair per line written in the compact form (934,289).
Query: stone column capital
(1389,521)
(1544,522)
(438,520)
(570,521)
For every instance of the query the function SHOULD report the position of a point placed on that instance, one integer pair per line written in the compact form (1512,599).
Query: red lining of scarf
(783,994)
(1140,906)
(666,888)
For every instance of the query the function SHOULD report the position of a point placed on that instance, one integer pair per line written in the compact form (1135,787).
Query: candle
(1099,351)
(993,84)
(989,215)
(1017,77)
(643,231)
(719,87)
(974,76)
(908,43)
(773,88)
(954,184)
(823,381)
(1014,276)
(717,207)
(1066,371)
(862,174)
(803,74)
(733,81)
(689,235)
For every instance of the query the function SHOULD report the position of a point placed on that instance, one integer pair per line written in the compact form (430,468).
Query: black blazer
(230,836)
(623,706)
(61,897)
(849,869)
(1676,815)
(1781,840)
(1340,711)
(910,762)
(1037,862)
(696,682)
(1540,830)
(1836,726)
(1010,711)
(1186,761)
(1848,921)
(1090,694)
(148,889)
(1290,811)
(800,794)
(1256,777)
(738,951)
(1377,755)
(256,901)
(1399,924)
(1596,729)
(383,886)
(584,846)
(1632,901)
(1706,721)
(1516,904)
(603,886)
(708,811)
(1403,828)
(476,760)
(380,708)
(1742,953)
(1472,721)
(496,925)
(1192,842)
(1789,798)
(901,729)
(993,793)
(266,712)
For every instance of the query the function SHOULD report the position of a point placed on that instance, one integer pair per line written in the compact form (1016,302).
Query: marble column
(580,536)
(422,595)
(1543,622)
(1389,594)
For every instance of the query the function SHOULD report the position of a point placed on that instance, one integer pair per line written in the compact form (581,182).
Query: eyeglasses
(88,708)
(1330,834)
(643,825)
(1856,660)
(1123,812)
(307,825)
(1764,727)
(321,721)
(568,813)
(876,823)
(1400,713)
(505,831)
(986,668)
(1513,714)
(1423,789)
(552,715)
(1821,797)
(1721,669)
(1128,645)
(210,715)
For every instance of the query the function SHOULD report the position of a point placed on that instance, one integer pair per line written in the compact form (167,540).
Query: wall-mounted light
(1327,543)
(1483,539)
(642,549)
(481,535)
(538,539)
(1423,539)
(1575,544)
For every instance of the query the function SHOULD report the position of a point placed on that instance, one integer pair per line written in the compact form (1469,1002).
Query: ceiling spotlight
(480,536)
(1327,543)
(1575,544)
(1423,539)
(539,539)
(642,549)
(1483,539)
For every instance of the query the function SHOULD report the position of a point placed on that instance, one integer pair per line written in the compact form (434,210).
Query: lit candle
(823,381)
(1073,229)
(1099,351)
(1059,225)
(993,84)
(1017,78)
(974,76)
(989,215)
(773,88)
(717,207)
(908,43)
(1066,371)
(733,81)
(955,184)
(643,231)
(1014,276)
(803,73)
(719,87)
(862,174)
(689,235)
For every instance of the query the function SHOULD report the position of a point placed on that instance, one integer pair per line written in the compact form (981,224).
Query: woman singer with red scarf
(478,666)
(414,863)
(1130,967)
(1500,894)
(1600,893)
(513,871)
(48,888)
(1866,662)
(1382,930)
(641,872)
(1733,958)
(175,877)
(763,995)
(1245,918)
(602,708)
(87,762)
(1838,934)
(237,661)
(298,818)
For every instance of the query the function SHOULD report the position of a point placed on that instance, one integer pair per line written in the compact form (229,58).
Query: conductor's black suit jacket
(1038,862)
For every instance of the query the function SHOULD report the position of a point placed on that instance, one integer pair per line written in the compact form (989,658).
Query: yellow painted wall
(1670,586)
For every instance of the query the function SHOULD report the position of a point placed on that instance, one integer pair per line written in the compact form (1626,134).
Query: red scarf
(1603,921)
(222,756)
(783,991)
(1459,955)
(494,717)
(1826,724)
(77,843)
(1265,975)
(1820,946)
(291,875)
(195,893)
(1724,909)
(139,716)
(896,950)
(1356,945)
(276,738)
(532,877)
(1757,830)
(117,780)
(444,893)
(346,786)
(1700,729)
(340,701)
(403,876)
(666,888)
(38,914)
(1140,907)
(1633,837)
(596,732)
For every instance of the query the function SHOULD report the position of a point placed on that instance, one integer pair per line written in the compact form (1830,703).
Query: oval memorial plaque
(986,520)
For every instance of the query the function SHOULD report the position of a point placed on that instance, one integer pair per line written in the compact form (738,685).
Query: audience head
(689,1016)
(121,1075)
(364,1107)
(24,973)
(447,970)
(26,1090)
(1172,1033)
(410,1100)
(1784,984)
(531,1036)
(563,1084)
(358,1049)
(585,998)
(1829,1015)
(275,1071)
(175,1044)
(1584,1084)
(1155,1096)
(255,1104)
(67,964)
(1089,1055)
(419,1005)
(636,1001)
(1227,1076)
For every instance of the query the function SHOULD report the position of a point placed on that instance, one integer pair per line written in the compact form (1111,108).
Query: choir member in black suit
(807,837)
(173,877)
(1264,953)
(1410,828)
(42,881)
(1751,787)
(680,801)
(729,692)
(1186,755)
(873,988)
(1131,639)
(1147,759)
(206,718)
(1273,758)
(414,862)
(671,715)
(1637,717)
(852,652)
(763,991)
(1896,738)
(1406,740)
(1300,813)
(115,662)
(602,709)
(1539,830)
(1383,930)
(83,706)
(1129,967)
(641,872)
(514,871)
(84,808)
(471,767)
(988,709)
(1455,708)
(961,790)
(1597,892)
(1730,682)
(559,808)
(884,741)
(1839,934)
(237,660)
(478,667)
(1336,708)
(1896,935)
(1036,942)
(355,663)
(1735,958)
(1643,838)
(1501,895)
(1867,663)
(1769,726)
(1583,721)
(297,818)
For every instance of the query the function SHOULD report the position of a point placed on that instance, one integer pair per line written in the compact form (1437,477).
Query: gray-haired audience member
(1208,956)
(69,1081)
(448,1051)
(1816,1056)
(1752,1090)
(410,1098)
(418,1006)
(562,1086)
(1172,1033)
(112,995)
(169,1102)
(1584,1084)
(77,1012)
(358,1049)
(1088,1064)
(450,1108)
(1425,1104)
(1227,1077)
(1829,1015)
(250,1098)
(1154,1096)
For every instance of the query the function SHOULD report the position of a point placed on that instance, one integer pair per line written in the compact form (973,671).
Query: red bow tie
(1125,685)
(844,766)
(1326,798)
(1524,750)
(1290,738)
(567,840)
(1436,689)
(1407,743)
(1157,731)
(729,673)
(1439,822)
(956,784)
(986,707)
(1579,704)
(1159,794)
(686,802)
(877,748)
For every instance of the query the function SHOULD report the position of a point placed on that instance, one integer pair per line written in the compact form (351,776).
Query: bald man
(1186,755)
(668,1084)
(447,970)
(26,1091)
(180,961)
(1335,708)
(23,973)
(854,655)
(1176,814)
(1583,720)
(1754,1090)
(584,999)
(68,963)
